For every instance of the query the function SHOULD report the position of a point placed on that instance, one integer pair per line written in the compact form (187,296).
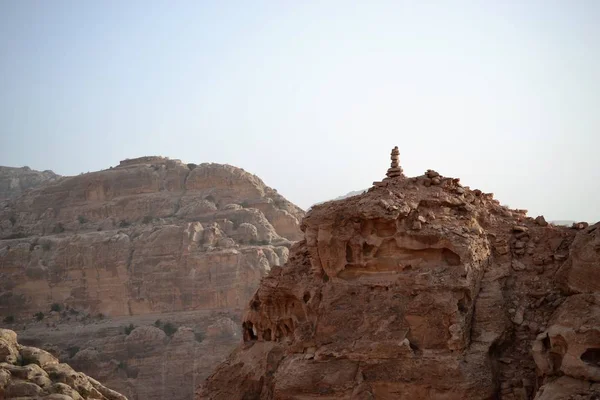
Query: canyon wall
(141,269)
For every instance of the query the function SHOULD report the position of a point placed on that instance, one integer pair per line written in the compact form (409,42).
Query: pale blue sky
(312,95)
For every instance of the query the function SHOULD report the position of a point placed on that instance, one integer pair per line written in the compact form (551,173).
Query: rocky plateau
(137,275)
(423,288)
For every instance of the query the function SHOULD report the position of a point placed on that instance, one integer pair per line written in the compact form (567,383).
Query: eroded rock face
(420,289)
(152,239)
(37,374)
(14,181)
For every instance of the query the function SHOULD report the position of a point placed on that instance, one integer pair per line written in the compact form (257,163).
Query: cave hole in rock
(249,331)
(255,305)
(367,249)
(591,356)
(306,297)
(349,257)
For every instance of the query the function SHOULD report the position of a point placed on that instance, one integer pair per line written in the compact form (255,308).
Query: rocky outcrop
(152,239)
(15,181)
(32,373)
(422,289)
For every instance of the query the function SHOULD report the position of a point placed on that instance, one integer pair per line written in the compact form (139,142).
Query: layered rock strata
(15,181)
(106,253)
(31,373)
(422,288)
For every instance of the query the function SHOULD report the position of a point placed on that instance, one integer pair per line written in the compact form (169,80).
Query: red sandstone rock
(368,307)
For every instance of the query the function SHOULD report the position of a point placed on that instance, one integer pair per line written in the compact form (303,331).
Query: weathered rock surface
(152,239)
(422,289)
(15,181)
(37,374)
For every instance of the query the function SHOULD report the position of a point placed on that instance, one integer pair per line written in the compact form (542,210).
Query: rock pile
(31,373)
(395,170)
(422,288)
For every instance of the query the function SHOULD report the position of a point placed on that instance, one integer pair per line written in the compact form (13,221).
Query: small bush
(59,228)
(128,329)
(82,220)
(100,316)
(199,336)
(191,166)
(56,307)
(147,219)
(157,323)
(122,365)
(72,351)
(169,329)
(12,220)
(245,204)
(9,320)
(18,235)
(211,199)
(73,311)
(39,315)
(99,228)
(46,246)
(124,224)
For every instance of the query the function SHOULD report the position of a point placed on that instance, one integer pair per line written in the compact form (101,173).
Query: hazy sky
(312,95)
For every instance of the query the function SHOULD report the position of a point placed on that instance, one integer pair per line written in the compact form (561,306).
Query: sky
(312,95)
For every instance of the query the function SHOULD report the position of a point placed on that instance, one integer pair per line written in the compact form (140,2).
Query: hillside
(149,263)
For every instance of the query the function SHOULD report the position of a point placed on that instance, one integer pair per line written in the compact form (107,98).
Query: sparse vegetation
(245,204)
(147,219)
(39,315)
(72,351)
(128,329)
(99,228)
(9,319)
(56,307)
(46,246)
(122,365)
(82,220)
(191,166)
(157,323)
(169,329)
(18,235)
(59,228)
(199,336)
(211,199)
(100,316)
(124,223)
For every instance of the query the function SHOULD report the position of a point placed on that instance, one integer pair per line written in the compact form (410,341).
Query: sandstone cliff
(31,373)
(89,263)
(423,289)
(14,181)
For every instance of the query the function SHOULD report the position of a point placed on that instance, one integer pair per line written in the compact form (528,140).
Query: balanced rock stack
(395,170)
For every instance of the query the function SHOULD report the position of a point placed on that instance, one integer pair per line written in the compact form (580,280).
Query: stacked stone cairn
(395,170)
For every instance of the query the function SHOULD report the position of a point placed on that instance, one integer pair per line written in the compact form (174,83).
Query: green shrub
(39,315)
(199,336)
(124,224)
(72,351)
(147,219)
(59,228)
(9,320)
(191,166)
(100,316)
(46,246)
(82,219)
(56,307)
(128,329)
(245,204)
(18,235)
(169,329)
(157,323)
(122,365)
